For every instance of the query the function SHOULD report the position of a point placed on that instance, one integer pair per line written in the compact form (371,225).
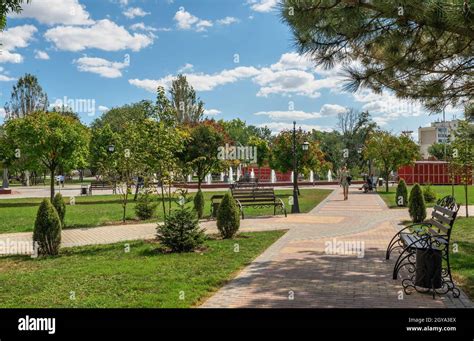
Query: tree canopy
(421,50)
(9,6)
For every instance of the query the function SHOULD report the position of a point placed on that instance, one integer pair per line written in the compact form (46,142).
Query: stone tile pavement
(339,264)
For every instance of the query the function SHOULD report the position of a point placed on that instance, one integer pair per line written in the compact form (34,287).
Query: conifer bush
(47,232)
(145,207)
(228,217)
(401,197)
(60,206)
(199,204)
(429,194)
(180,231)
(416,204)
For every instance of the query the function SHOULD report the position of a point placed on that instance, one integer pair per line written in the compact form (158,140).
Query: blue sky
(237,54)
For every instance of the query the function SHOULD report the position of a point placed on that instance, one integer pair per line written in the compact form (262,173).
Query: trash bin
(428,268)
(380,182)
(84,189)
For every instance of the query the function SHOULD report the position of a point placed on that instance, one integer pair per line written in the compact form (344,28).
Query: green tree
(440,151)
(420,50)
(401,197)
(118,118)
(416,204)
(228,217)
(199,204)
(263,151)
(281,158)
(60,206)
(49,139)
(9,6)
(27,97)
(47,231)
(188,108)
(201,153)
(390,152)
(462,159)
(332,145)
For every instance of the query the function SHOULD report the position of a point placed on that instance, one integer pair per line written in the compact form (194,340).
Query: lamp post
(305,146)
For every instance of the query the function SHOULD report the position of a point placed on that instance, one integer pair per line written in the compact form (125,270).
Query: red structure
(266,174)
(428,172)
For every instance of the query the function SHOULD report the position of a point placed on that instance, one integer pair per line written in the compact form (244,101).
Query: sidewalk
(301,271)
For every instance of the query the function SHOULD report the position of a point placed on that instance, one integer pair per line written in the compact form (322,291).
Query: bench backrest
(256,194)
(443,217)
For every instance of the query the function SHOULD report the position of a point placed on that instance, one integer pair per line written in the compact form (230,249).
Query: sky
(93,55)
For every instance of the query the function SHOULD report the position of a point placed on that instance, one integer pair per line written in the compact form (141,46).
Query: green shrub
(180,231)
(401,197)
(228,217)
(60,206)
(47,232)
(145,207)
(199,204)
(416,203)
(429,194)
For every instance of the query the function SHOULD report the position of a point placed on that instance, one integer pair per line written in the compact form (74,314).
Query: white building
(438,132)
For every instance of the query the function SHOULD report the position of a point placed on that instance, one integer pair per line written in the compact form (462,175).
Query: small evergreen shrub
(401,197)
(199,204)
(180,231)
(416,204)
(429,194)
(228,217)
(47,232)
(145,207)
(60,206)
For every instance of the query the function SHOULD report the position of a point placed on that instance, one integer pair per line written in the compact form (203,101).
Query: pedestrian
(344,181)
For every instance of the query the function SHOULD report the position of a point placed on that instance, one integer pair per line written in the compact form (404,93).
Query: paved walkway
(336,264)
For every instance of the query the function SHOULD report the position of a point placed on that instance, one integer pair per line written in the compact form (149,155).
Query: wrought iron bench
(255,197)
(424,251)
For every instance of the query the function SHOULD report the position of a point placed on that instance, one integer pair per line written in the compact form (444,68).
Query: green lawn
(462,262)
(18,215)
(105,276)
(389,197)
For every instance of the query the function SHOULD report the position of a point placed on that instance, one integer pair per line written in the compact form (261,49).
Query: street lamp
(305,146)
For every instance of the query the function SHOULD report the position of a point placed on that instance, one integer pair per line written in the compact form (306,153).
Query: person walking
(344,181)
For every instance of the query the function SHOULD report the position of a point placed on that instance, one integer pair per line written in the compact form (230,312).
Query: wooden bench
(251,197)
(100,185)
(430,237)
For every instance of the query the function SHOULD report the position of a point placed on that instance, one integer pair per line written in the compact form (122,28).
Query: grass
(462,262)
(105,276)
(18,215)
(442,191)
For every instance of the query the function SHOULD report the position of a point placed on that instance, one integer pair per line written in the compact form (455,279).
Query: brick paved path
(297,272)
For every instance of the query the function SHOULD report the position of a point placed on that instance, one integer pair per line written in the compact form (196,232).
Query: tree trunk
(52,184)
(81,175)
(5,183)
(465,198)
(386,182)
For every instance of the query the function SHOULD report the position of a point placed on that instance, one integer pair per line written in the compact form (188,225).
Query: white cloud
(102,67)
(4,78)
(212,112)
(142,27)
(187,21)
(13,38)
(228,21)
(2,113)
(289,115)
(50,12)
(262,5)
(186,68)
(104,35)
(41,55)
(134,12)
(200,81)
(327,110)
(103,108)
(276,127)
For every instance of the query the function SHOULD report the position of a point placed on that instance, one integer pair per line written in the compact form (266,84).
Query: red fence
(428,172)
(266,174)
